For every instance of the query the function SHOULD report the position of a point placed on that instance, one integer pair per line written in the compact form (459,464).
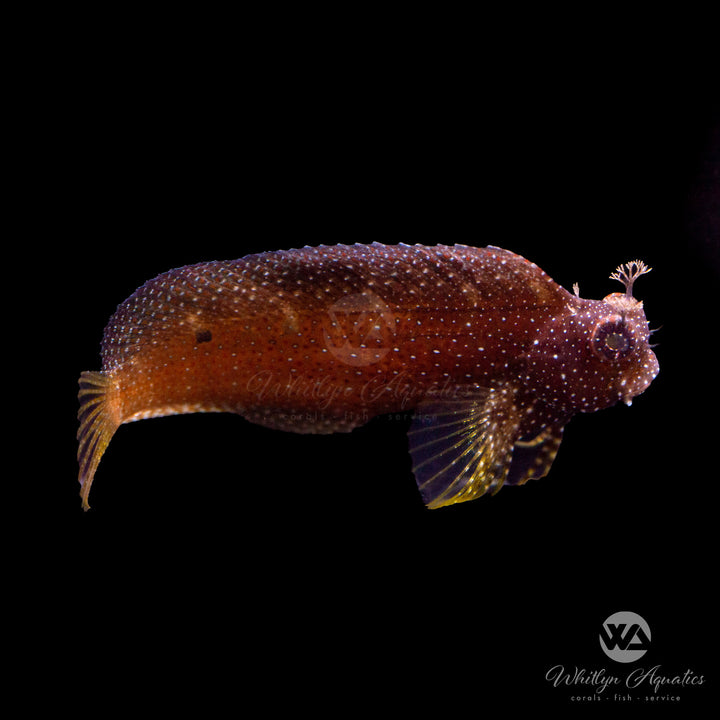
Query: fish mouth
(647,371)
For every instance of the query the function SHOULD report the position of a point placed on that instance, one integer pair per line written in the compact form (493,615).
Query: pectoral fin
(461,447)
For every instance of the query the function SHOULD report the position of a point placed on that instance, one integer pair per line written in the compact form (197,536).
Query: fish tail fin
(99,420)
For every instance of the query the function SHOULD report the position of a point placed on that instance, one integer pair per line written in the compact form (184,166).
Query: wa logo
(625,637)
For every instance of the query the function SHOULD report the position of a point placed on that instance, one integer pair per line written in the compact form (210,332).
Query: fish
(479,346)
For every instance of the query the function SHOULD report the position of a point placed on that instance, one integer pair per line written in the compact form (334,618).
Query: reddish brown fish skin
(272,337)
(271,345)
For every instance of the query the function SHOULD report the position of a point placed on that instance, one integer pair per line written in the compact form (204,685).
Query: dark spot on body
(202,336)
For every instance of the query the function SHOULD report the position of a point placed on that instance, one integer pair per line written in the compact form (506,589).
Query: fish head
(595,355)
(616,332)
(619,342)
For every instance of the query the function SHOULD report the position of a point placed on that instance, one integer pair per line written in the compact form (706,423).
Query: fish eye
(617,342)
(611,338)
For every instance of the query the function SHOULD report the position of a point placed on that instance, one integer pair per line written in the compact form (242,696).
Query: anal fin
(461,447)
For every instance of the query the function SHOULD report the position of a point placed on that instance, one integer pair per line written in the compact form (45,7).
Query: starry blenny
(490,354)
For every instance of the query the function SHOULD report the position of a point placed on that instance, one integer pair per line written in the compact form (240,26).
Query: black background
(224,560)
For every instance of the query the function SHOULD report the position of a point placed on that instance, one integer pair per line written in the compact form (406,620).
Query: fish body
(490,354)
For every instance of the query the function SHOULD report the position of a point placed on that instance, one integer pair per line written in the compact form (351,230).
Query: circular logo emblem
(358,329)
(625,637)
